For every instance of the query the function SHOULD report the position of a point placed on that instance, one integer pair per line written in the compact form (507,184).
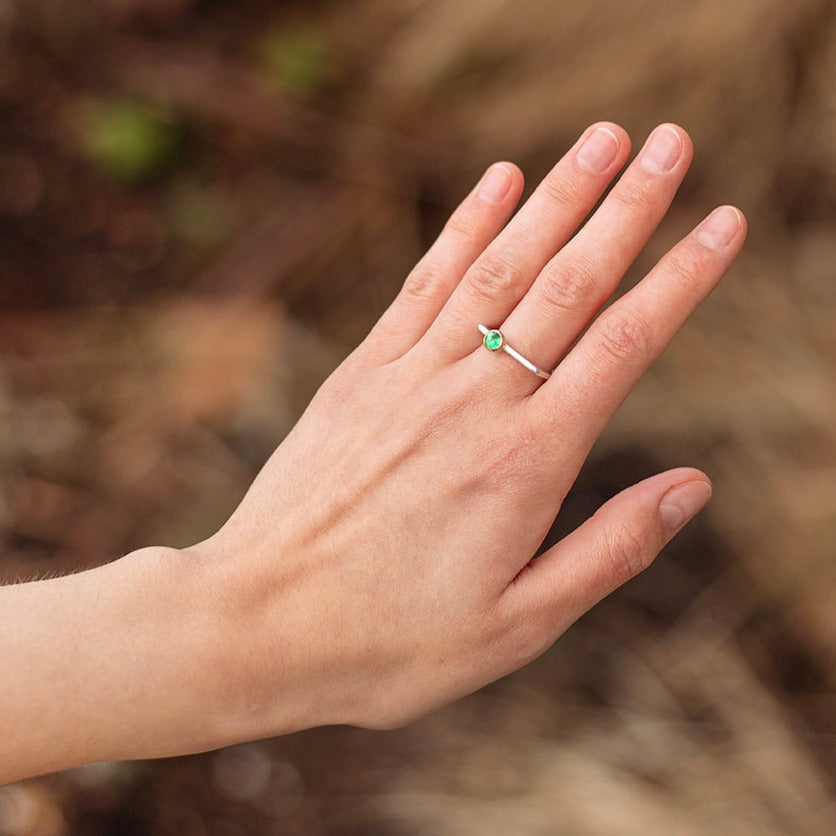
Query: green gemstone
(493,340)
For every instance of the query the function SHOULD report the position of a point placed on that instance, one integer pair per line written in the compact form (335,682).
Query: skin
(381,565)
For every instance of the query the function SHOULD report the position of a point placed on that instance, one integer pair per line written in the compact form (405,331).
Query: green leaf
(298,59)
(129,140)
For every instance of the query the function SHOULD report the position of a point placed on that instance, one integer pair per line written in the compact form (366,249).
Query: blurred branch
(268,254)
(201,84)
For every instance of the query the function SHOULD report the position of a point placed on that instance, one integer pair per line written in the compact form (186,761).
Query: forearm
(109,663)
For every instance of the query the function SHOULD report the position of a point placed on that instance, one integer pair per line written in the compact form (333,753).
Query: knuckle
(562,190)
(636,197)
(335,392)
(494,276)
(421,284)
(571,289)
(462,224)
(683,265)
(627,553)
(623,337)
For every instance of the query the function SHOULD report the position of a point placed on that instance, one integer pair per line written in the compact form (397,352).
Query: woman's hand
(381,564)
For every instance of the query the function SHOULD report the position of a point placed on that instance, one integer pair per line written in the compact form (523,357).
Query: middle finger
(573,286)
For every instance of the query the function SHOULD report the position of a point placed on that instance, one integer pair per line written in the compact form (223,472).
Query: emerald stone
(493,340)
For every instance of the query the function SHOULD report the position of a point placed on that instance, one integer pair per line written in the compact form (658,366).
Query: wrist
(255,670)
(181,650)
(158,653)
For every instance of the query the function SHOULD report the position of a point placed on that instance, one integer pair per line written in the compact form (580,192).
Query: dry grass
(702,697)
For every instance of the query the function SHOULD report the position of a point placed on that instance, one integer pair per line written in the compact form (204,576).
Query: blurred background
(204,205)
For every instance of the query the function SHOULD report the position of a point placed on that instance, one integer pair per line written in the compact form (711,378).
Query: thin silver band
(517,356)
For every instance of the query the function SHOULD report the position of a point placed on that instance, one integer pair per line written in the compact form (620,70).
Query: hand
(381,564)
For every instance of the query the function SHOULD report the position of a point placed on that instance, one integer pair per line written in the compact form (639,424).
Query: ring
(494,340)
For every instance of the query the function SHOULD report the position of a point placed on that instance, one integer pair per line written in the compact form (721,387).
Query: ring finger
(503,273)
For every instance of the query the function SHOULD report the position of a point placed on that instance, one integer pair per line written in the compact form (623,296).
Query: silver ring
(494,340)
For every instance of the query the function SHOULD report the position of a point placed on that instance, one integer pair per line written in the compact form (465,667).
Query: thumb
(620,540)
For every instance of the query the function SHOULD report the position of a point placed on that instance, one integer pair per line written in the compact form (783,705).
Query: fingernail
(682,502)
(662,150)
(599,150)
(495,184)
(719,228)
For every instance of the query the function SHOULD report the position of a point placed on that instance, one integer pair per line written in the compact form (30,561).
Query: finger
(617,543)
(583,275)
(500,277)
(471,227)
(598,373)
